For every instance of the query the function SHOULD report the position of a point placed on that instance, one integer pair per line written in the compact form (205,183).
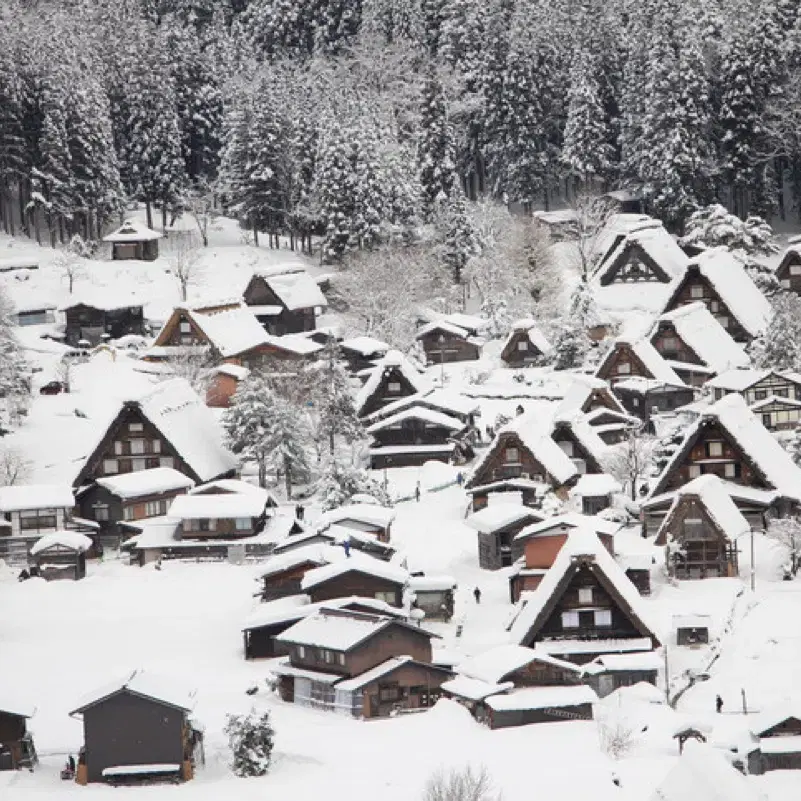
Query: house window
(301,652)
(155,446)
(138,464)
(127,513)
(186,340)
(243,524)
(389,692)
(341,658)
(118,448)
(730,470)
(37,519)
(186,327)
(165,461)
(781,393)
(795,269)
(694,471)
(394,386)
(714,306)
(111,466)
(696,291)
(328,656)
(512,456)
(101,512)
(155,508)
(136,427)
(670,344)
(137,446)
(386,597)
(585,595)
(760,394)
(724,321)
(603,617)
(714,449)
(624,368)
(522,345)
(570,620)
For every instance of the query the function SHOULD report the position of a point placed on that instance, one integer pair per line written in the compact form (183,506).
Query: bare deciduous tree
(201,207)
(593,214)
(185,264)
(630,461)
(617,738)
(787,532)
(467,784)
(69,263)
(14,467)
(193,364)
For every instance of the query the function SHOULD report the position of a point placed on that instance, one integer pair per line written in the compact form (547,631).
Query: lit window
(127,513)
(165,461)
(694,470)
(118,449)
(795,269)
(155,446)
(301,652)
(522,345)
(101,513)
(386,597)
(341,658)
(715,449)
(137,446)
(153,508)
(730,470)
(186,327)
(624,368)
(394,386)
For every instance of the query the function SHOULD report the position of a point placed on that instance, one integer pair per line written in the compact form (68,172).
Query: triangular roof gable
(179,314)
(571,567)
(614,354)
(523,333)
(592,448)
(603,397)
(677,508)
(127,691)
(626,250)
(791,256)
(358,571)
(393,367)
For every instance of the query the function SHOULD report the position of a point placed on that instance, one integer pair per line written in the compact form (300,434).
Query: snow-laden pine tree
(368,196)
(459,237)
(778,347)
(335,190)
(251,740)
(340,481)
(13,155)
(14,390)
(436,147)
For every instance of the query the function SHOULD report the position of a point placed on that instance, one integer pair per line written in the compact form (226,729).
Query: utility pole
(753,578)
(441,341)
(667,675)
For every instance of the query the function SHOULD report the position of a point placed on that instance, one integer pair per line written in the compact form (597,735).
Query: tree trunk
(255,236)
(164,218)
(262,473)
(149,214)
(288,479)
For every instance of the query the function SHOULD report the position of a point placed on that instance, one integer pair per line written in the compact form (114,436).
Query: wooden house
(132,496)
(789,270)
(524,490)
(540,705)
(434,595)
(443,401)
(691,629)
(541,543)
(497,525)
(91,319)
(559,224)
(609,672)
(779,733)
(778,413)
(525,345)
(169,426)
(594,492)
(600,407)
(368,518)
(17,750)
(584,606)
(34,311)
(356,575)
(283,573)
(285,299)
(718,279)
(695,345)
(627,201)
(362,665)
(262,628)
(455,338)
(775,397)
(222,516)
(730,442)
(60,555)
(649,254)
(223,384)
(628,358)
(138,729)
(701,529)
(580,443)
(524,449)
(134,240)
(363,352)
(614,233)
(35,509)
(394,377)
(415,436)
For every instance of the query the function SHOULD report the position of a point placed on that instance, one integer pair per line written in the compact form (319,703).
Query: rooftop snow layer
(132,231)
(369,676)
(497,516)
(365,346)
(296,289)
(73,540)
(394,359)
(231,331)
(357,563)
(146,684)
(711,491)
(24,497)
(370,513)
(145,482)
(217,506)
(340,632)
(542,698)
(497,663)
(570,521)
(428,416)
(474,689)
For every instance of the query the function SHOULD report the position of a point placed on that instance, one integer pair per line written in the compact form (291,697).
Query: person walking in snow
(459,478)
(477,595)
(417,492)
(718,704)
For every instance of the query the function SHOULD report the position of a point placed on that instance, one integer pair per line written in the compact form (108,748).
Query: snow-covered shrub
(466,784)
(778,347)
(340,482)
(617,738)
(251,740)
(713,226)
(570,346)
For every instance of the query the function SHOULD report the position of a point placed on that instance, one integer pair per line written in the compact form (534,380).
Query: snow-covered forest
(359,119)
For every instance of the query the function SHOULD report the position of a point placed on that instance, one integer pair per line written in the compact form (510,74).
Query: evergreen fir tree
(335,190)
(459,239)
(250,738)
(14,390)
(436,149)
(341,481)
(778,347)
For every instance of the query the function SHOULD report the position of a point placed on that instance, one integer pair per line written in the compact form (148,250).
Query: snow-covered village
(400,399)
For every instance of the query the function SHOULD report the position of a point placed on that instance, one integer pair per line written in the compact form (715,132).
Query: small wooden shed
(134,241)
(691,629)
(540,705)
(61,555)
(16,744)
(434,595)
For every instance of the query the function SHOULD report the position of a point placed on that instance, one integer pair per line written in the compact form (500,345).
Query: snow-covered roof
(433,583)
(444,326)
(713,495)
(586,435)
(316,554)
(357,563)
(694,621)
(220,506)
(657,244)
(146,685)
(640,660)
(755,495)
(570,521)
(365,346)
(231,331)
(296,289)
(429,416)
(233,485)
(446,401)
(236,371)
(470,322)
(703,773)
(23,497)
(581,546)
(535,335)
(542,698)
(73,540)
(296,607)
(339,631)
(659,369)
(393,360)
(593,485)
(788,744)
(296,344)
(613,645)
(741,380)
(105,299)
(175,409)
(369,676)
(769,718)
(757,443)
(474,689)
(370,513)
(145,482)
(699,329)
(726,273)
(499,515)
(497,663)
(132,231)
(621,225)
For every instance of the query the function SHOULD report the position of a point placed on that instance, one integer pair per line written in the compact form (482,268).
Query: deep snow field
(62,640)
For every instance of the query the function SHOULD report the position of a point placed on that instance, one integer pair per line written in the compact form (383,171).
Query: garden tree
(436,147)
(337,23)
(278,28)
(592,214)
(583,309)
(14,467)
(185,266)
(631,460)
(368,199)
(587,151)
(466,784)
(391,20)
(713,226)
(200,204)
(288,441)
(431,19)
(251,740)
(778,347)
(340,481)
(14,389)
(462,36)
(787,532)
(570,345)
(459,241)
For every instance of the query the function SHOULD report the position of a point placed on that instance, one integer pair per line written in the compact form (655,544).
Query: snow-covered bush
(340,482)
(617,738)
(570,345)
(466,784)
(713,226)
(778,347)
(251,740)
